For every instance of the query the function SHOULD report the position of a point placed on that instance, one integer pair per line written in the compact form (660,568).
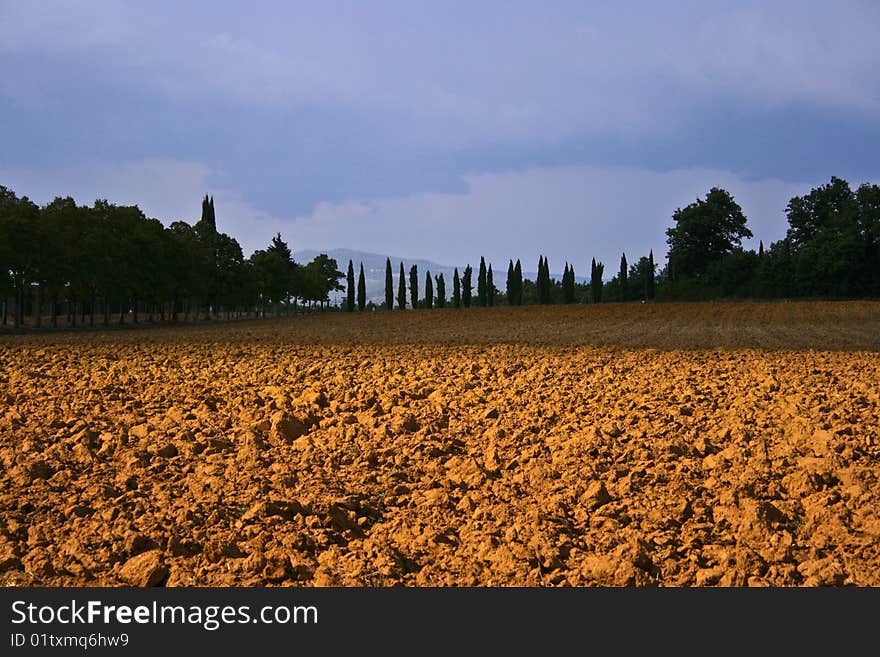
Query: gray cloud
(487,70)
(582,126)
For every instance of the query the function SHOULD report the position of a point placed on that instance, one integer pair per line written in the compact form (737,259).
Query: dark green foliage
(279,278)
(209,218)
(429,291)
(518,284)
(482,291)
(19,225)
(401,289)
(833,236)
(543,284)
(511,285)
(272,279)
(868,199)
(350,293)
(317,279)
(389,286)
(596,271)
(640,278)
(414,286)
(704,231)
(623,279)
(529,292)
(651,274)
(362,290)
(456,289)
(467,286)
(548,283)
(441,291)
(539,280)
(735,274)
(568,284)
(490,287)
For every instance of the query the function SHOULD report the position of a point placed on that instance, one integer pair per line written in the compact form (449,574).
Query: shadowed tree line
(112,261)
(831,250)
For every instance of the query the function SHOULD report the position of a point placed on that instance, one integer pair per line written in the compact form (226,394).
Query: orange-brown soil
(655,444)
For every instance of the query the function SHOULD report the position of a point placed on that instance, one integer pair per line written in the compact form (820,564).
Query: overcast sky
(440,130)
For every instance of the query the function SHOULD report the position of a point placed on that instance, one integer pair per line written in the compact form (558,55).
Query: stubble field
(649,444)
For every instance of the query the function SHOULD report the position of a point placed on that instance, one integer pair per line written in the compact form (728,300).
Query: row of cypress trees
(544,290)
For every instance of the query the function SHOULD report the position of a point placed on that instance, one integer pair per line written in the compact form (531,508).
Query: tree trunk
(54,306)
(20,305)
(106,310)
(92,310)
(121,313)
(38,303)
(135,310)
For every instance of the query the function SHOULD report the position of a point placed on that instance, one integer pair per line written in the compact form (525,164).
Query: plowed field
(648,444)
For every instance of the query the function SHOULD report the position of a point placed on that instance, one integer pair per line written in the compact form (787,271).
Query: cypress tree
(482,293)
(547,281)
(401,289)
(622,279)
(543,290)
(209,218)
(542,282)
(650,294)
(362,290)
(511,285)
(389,286)
(414,286)
(467,286)
(349,292)
(761,249)
(429,291)
(518,281)
(441,292)
(539,280)
(565,284)
(568,284)
(546,290)
(593,280)
(596,281)
(456,290)
(490,286)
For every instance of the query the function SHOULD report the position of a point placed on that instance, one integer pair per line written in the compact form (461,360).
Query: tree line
(831,250)
(113,262)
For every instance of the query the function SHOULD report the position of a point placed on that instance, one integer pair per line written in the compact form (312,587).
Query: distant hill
(374,272)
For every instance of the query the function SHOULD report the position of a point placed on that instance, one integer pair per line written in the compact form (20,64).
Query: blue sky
(440,130)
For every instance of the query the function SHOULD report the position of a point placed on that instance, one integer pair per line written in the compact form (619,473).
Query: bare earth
(648,444)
